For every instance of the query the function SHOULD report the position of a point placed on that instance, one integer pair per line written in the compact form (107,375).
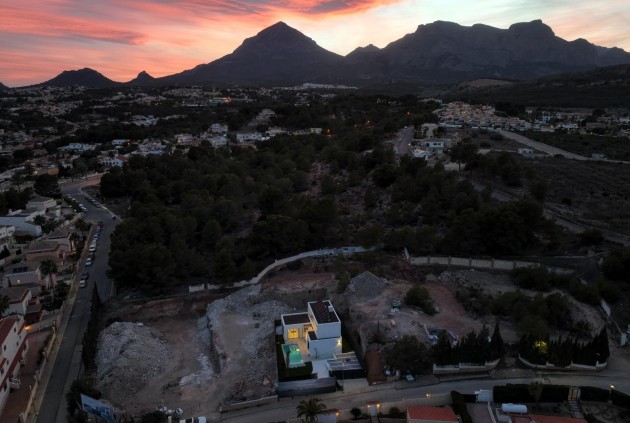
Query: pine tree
(497,346)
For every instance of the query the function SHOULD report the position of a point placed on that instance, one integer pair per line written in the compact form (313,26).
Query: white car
(88,262)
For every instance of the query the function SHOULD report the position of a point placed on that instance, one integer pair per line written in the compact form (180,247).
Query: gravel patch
(367,285)
(129,356)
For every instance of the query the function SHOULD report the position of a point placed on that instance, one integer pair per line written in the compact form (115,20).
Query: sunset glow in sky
(119,38)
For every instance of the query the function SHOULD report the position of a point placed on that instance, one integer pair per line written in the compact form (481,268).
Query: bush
(590,393)
(511,393)
(554,393)
(395,412)
(419,296)
(620,399)
(588,294)
(609,291)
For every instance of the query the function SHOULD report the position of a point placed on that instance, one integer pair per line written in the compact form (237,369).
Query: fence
(283,262)
(464,368)
(479,263)
(247,404)
(598,367)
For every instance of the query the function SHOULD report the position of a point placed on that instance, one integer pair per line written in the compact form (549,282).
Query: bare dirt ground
(229,354)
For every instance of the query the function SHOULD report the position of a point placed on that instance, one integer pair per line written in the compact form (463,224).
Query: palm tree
(47,268)
(309,409)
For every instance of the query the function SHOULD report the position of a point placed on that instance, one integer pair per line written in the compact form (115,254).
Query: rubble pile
(366,285)
(129,355)
(258,344)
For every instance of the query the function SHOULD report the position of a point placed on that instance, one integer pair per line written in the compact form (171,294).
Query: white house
(319,329)
(19,298)
(23,220)
(219,128)
(248,136)
(13,352)
(41,203)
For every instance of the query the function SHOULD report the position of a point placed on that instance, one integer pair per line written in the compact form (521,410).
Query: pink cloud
(39,23)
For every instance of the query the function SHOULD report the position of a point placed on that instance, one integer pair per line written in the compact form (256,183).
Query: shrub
(511,393)
(419,296)
(588,294)
(590,393)
(395,412)
(620,399)
(356,412)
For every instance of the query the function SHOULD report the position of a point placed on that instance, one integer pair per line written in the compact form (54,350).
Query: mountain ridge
(436,53)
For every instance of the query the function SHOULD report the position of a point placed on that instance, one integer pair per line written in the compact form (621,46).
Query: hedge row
(590,393)
(459,405)
(520,393)
(620,399)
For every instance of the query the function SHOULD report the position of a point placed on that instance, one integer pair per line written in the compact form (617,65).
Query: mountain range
(436,53)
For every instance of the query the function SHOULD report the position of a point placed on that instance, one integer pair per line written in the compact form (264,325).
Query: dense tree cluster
(408,354)
(221,214)
(562,352)
(13,199)
(474,348)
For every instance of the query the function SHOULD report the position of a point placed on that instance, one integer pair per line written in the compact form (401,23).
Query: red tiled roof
(555,419)
(442,414)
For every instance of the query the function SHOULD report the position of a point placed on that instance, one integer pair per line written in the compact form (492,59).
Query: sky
(119,38)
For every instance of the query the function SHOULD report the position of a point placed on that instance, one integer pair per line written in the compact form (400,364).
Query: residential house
(117,161)
(24,300)
(41,203)
(318,331)
(23,220)
(24,272)
(19,298)
(427,414)
(13,352)
(6,236)
(63,238)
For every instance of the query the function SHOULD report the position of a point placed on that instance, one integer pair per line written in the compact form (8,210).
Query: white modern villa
(313,335)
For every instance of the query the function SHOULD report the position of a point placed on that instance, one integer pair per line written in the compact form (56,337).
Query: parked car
(92,248)
(100,223)
(82,283)
(194,420)
(88,262)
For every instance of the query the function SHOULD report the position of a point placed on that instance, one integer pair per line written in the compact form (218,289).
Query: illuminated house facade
(318,330)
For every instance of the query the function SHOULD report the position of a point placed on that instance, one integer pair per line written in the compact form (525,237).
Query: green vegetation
(562,353)
(73,396)
(408,354)
(473,348)
(418,296)
(90,337)
(539,279)
(222,214)
(309,409)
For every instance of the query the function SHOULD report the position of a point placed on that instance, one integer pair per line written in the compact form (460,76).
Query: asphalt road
(67,364)
(403,145)
(285,409)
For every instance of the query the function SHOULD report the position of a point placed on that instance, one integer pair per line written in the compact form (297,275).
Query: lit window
(294,333)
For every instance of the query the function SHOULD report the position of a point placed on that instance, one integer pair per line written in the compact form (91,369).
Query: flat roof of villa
(324,311)
(295,319)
